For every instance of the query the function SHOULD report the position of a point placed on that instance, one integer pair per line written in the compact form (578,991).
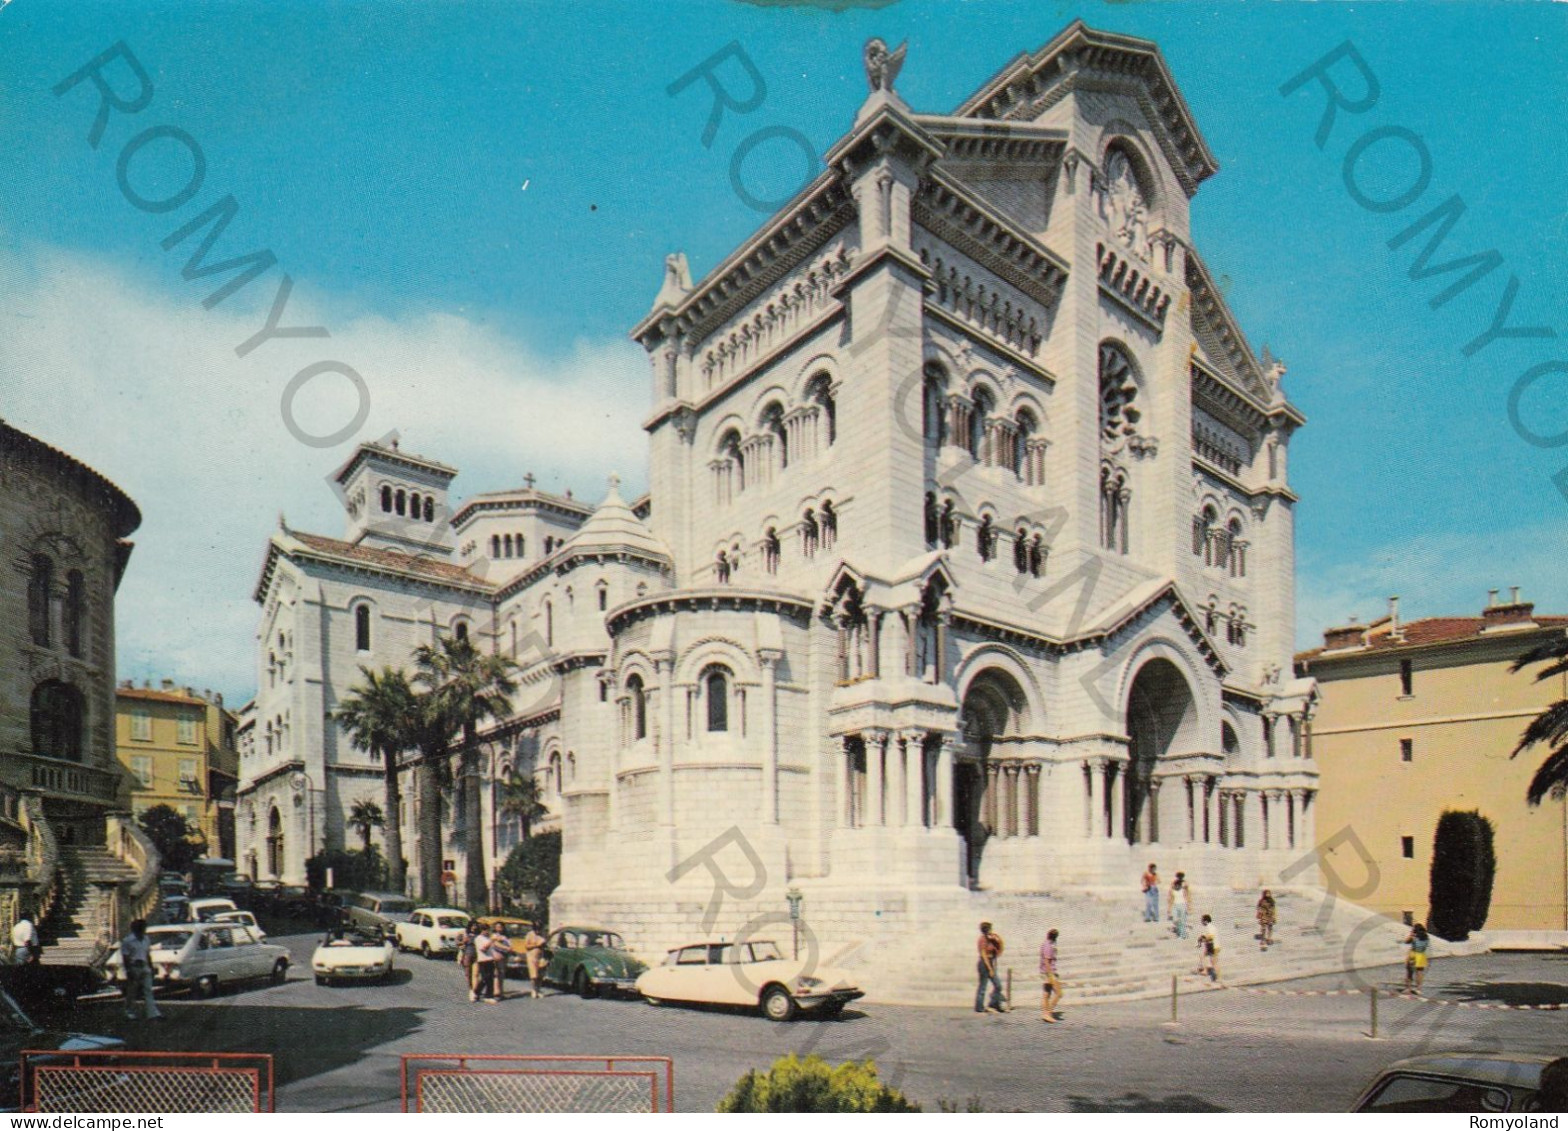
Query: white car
(206,910)
(204,956)
(432,931)
(754,974)
(243,918)
(352,954)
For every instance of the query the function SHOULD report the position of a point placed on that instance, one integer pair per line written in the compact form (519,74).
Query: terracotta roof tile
(1427,631)
(389,559)
(159,696)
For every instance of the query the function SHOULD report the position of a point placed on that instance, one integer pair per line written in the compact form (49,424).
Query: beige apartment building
(1418,718)
(179,747)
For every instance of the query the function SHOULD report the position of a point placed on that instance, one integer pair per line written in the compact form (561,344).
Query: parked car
(432,931)
(244,919)
(331,906)
(588,961)
(208,909)
(173,881)
(174,909)
(239,887)
(1456,1082)
(752,974)
(354,954)
(204,956)
(515,931)
(264,895)
(19,1031)
(381,909)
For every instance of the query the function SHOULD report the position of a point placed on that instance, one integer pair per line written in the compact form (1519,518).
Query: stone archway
(994,708)
(1162,716)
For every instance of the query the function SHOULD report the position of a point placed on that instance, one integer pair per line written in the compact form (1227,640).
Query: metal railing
(460,1084)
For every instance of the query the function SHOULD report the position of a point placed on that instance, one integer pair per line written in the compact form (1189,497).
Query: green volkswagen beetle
(588,960)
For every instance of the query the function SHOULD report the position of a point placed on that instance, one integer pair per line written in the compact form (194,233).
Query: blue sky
(476,200)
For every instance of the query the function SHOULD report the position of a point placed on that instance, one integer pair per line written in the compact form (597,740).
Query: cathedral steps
(1109,954)
(88,877)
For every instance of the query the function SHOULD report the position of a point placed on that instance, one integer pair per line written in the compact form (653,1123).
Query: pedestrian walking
(533,950)
(1209,949)
(988,948)
(500,948)
(1268,915)
(1419,943)
(134,953)
(485,956)
(1180,903)
(1151,895)
(1050,979)
(24,942)
(467,955)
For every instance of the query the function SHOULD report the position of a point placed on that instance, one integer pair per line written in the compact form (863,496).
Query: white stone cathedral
(965,574)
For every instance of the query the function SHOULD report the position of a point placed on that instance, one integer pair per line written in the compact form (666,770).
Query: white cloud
(1442,573)
(143,384)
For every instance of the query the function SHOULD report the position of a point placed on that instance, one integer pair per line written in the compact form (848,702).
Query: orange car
(515,931)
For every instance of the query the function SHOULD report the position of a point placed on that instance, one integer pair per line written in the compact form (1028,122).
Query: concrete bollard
(1372,990)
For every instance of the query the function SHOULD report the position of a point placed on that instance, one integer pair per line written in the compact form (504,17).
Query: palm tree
(467,687)
(1550,727)
(364,816)
(381,716)
(520,796)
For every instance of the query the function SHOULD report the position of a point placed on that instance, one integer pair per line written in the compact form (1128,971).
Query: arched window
(1037,556)
(820,392)
(639,707)
(362,628)
(985,539)
(517,544)
(414,509)
(430,509)
(549,625)
(773,423)
(949,524)
(1203,534)
(75,611)
(829,524)
(1236,549)
(554,771)
(1119,415)
(933,520)
(460,630)
(716,689)
(57,722)
(400,502)
(810,533)
(386,499)
(495,545)
(982,407)
(1026,427)
(604,596)
(39,587)
(933,406)
(1021,550)
(772,550)
(730,449)
(1228,740)
(1114,499)
(721,568)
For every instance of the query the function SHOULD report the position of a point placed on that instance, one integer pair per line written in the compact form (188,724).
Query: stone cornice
(706,600)
(527,500)
(949,211)
(405,460)
(981,140)
(817,213)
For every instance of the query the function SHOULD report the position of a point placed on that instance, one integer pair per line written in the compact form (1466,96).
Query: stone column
(1116,791)
(1033,825)
(1152,806)
(876,757)
(768,660)
(914,778)
(942,788)
(1093,776)
(664,669)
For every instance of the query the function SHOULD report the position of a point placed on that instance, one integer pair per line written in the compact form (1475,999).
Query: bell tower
(396,500)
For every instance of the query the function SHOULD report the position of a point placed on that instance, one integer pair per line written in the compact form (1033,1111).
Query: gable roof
(299,545)
(1028,80)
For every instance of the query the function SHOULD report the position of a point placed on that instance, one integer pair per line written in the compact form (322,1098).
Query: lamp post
(795,898)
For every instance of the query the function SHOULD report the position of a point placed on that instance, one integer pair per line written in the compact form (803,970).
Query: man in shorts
(1050,982)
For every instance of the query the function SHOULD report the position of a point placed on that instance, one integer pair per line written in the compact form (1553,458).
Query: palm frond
(1551,778)
(1549,728)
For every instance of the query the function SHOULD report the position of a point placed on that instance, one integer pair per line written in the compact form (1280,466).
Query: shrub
(177,841)
(1463,866)
(355,871)
(531,872)
(812,1085)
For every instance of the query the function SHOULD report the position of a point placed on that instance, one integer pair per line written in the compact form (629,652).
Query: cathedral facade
(966,568)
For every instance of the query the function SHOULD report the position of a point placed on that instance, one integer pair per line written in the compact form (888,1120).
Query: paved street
(337,1048)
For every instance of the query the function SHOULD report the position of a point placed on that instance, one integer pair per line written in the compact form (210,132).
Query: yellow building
(1419,718)
(179,748)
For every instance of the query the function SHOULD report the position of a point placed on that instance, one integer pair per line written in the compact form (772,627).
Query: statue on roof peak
(882,65)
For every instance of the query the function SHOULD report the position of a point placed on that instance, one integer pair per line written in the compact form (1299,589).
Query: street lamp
(795,898)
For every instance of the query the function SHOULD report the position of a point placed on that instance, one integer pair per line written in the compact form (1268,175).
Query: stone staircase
(1109,954)
(89,877)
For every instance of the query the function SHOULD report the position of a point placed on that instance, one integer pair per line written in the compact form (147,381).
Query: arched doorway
(275,843)
(994,708)
(1161,716)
